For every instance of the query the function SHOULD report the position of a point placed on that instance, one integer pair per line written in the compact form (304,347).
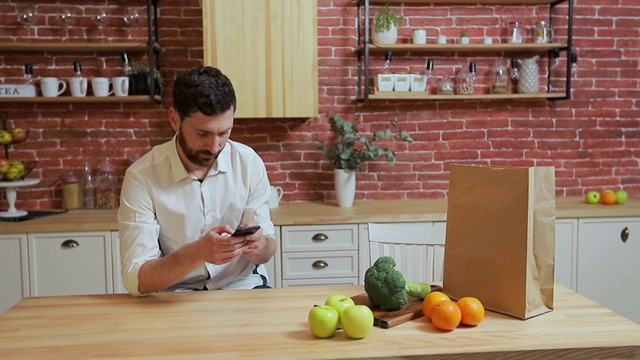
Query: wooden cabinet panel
(269,51)
(70,263)
(14,278)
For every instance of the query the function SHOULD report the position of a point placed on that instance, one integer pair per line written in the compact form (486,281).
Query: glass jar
(466,81)
(500,79)
(107,187)
(515,33)
(543,32)
(445,86)
(71,192)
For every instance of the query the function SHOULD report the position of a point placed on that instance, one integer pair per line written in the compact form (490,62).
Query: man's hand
(220,248)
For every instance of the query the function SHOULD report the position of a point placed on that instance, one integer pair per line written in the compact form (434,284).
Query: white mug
(120,85)
(50,86)
(419,36)
(100,86)
(78,86)
(442,39)
(275,195)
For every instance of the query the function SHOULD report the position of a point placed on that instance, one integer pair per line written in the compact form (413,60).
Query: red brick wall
(593,140)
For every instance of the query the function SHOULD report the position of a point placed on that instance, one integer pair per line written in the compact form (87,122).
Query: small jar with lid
(107,187)
(466,80)
(71,192)
(515,33)
(543,32)
(445,86)
(500,79)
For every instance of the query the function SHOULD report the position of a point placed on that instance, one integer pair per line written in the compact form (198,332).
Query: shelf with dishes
(77,46)
(465,48)
(87,99)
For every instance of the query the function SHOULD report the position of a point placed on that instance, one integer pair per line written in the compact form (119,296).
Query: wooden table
(272,323)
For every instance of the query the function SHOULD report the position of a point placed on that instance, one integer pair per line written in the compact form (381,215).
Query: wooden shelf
(408,95)
(86,99)
(443,48)
(463,2)
(77,46)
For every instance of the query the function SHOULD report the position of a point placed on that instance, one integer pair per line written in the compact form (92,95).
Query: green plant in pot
(139,77)
(385,26)
(351,149)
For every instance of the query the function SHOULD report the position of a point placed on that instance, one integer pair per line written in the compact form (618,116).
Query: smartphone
(246,230)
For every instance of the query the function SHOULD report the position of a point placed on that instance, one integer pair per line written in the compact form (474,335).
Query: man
(180,201)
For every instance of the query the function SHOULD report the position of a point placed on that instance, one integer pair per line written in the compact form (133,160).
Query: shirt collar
(222,164)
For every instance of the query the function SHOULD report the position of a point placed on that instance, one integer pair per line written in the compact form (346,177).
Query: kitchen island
(272,323)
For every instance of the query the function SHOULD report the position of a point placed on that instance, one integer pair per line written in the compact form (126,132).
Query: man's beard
(203,158)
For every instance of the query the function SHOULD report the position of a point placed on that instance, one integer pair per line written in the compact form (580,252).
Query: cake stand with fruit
(11,192)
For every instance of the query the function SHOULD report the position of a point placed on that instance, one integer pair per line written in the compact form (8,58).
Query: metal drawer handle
(320,237)
(319,264)
(70,243)
(624,235)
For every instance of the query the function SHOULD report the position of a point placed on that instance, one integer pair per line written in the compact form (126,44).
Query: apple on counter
(357,321)
(339,302)
(323,321)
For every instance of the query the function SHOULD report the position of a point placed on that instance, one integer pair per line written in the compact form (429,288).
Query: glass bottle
(126,66)
(385,77)
(445,86)
(543,32)
(107,187)
(515,33)
(78,84)
(466,80)
(88,189)
(28,73)
(71,192)
(500,79)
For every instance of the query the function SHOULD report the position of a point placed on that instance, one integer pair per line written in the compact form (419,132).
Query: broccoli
(387,287)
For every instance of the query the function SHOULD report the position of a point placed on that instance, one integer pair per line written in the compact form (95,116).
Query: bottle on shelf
(466,80)
(500,80)
(88,188)
(107,187)
(445,85)
(126,66)
(385,77)
(77,83)
(71,192)
(28,74)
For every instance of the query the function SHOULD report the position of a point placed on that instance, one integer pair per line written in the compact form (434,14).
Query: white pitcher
(275,195)
(529,79)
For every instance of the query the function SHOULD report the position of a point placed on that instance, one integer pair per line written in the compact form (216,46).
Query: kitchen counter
(272,323)
(307,213)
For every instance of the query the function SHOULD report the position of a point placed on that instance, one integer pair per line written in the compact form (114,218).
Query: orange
(431,300)
(608,198)
(446,315)
(471,310)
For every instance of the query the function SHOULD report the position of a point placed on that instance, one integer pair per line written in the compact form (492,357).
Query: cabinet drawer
(319,238)
(320,264)
(70,263)
(320,282)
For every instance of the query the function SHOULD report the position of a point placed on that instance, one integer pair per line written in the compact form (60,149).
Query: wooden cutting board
(388,319)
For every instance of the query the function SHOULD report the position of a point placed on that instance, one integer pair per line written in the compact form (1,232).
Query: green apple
(5,164)
(18,134)
(339,302)
(13,174)
(5,137)
(621,197)
(593,197)
(323,321)
(357,321)
(17,165)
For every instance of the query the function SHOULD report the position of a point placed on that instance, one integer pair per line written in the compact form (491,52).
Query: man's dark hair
(204,89)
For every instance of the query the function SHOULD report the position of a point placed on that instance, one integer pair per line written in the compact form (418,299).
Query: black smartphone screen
(246,230)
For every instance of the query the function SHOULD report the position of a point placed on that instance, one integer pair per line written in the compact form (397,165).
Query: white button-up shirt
(163,208)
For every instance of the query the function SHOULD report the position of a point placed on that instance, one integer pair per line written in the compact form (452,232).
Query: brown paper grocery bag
(500,242)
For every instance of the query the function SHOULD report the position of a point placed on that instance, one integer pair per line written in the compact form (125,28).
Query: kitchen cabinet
(269,51)
(566,252)
(608,266)
(273,266)
(73,263)
(118,285)
(151,47)
(365,50)
(319,255)
(14,278)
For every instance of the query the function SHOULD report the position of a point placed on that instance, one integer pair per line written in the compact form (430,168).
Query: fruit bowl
(16,170)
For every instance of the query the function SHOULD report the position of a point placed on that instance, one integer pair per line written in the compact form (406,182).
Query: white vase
(529,79)
(345,183)
(386,38)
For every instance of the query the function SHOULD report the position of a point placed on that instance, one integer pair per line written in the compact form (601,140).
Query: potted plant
(351,149)
(464,38)
(140,80)
(385,26)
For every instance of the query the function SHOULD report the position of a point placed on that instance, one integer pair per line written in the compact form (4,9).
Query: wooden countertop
(307,213)
(272,323)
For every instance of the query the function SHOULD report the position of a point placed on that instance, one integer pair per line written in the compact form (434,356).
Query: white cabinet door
(566,252)
(273,266)
(14,278)
(417,248)
(70,263)
(608,266)
(118,286)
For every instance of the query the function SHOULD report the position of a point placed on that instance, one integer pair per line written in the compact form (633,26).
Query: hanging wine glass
(102,19)
(67,18)
(133,17)
(26,14)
